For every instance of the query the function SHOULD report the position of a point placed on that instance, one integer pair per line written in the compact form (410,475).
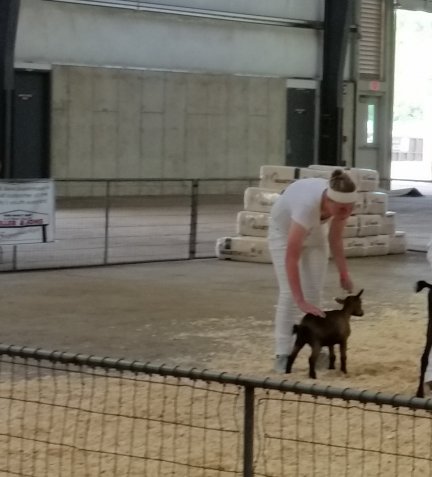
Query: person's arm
(296,237)
(337,249)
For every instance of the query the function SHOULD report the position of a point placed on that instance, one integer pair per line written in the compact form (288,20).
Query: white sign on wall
(26,212)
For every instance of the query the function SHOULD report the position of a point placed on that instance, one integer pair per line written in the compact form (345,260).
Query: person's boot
(323,360)
(280,363)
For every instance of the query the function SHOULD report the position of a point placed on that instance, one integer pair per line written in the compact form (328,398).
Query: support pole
(248,444)
(9,10)
(337,22)
(193,230)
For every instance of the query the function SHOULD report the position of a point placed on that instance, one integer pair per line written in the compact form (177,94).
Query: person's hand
(306,307)
(346,283)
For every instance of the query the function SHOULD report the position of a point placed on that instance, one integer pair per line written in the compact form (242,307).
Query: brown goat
(331,330)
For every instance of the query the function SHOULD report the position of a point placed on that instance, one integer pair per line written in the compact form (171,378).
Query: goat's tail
(422,284)
(302,332)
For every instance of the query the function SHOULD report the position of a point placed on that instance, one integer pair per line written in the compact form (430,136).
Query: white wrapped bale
(243,249)
(354,247)
(397,243)
(277,178)
(375,203)
(279,187)
(351,227)
(307,173)
(377,245)
(324,167)
(366,180)
(388,226)
(259,200)
(359,206)
(369,225)
(254,224)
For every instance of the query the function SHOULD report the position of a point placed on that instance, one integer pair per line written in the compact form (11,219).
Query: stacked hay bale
(370,230)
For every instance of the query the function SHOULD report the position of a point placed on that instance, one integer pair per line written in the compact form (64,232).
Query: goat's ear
(341,301)
(359,294)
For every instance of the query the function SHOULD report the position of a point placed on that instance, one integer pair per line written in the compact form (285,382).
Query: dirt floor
(217,315)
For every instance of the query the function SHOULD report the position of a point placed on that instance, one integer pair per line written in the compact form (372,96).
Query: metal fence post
(107,217)
(193,219)
(248,441)
(14,258)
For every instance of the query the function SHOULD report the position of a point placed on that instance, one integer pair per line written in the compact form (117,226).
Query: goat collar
(341,197)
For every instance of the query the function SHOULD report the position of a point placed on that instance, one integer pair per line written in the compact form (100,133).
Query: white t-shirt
(301,202)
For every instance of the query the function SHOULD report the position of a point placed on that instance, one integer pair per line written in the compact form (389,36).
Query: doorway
(31,125)
(300,129)
(368,113)
(412,107)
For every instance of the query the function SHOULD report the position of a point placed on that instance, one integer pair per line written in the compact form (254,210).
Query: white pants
(313,269)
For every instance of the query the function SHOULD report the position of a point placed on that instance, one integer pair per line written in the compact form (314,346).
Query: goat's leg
(423,365)
(316,348)
(343,350)
(332,357)
(298,345)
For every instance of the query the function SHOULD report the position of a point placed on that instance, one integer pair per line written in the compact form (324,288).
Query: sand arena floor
(217,315)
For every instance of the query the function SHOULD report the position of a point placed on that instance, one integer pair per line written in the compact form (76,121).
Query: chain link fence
(77,415)
(102,222)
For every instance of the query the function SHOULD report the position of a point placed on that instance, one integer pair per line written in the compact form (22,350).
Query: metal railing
(104,222)
(78,415)
(124,221)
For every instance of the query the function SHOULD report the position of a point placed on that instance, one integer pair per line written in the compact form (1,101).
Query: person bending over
(305,221)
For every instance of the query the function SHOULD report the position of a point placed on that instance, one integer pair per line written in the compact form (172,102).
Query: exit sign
(374,85)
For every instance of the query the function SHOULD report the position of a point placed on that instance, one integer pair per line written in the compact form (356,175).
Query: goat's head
(353,303)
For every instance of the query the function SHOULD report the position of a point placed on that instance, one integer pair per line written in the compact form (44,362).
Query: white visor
(342,197)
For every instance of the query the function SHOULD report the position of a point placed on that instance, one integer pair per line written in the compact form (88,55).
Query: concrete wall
(138,94)
(111,123)
(62,33)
